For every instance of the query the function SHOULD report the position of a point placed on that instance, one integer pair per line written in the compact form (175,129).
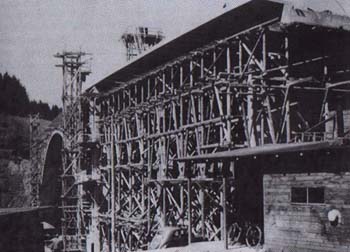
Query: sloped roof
(235,20)
(238,19)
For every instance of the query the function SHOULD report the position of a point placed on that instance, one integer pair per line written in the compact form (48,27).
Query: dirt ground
(210,247)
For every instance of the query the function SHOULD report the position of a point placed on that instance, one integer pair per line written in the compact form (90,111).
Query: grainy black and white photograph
(175,126)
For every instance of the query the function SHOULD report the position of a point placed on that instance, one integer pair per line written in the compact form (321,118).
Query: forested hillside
(14,100)
(15,166)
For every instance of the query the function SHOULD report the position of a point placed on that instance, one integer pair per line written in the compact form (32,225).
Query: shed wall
(302,226)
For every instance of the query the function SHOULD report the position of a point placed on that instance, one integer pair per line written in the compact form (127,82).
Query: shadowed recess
(50,189)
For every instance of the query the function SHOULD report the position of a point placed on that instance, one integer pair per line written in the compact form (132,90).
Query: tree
(14,100)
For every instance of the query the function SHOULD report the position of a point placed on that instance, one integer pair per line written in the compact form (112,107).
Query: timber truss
(268,84)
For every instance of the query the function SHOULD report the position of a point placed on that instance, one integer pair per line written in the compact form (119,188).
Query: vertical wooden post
(288,102)
(112,188)
(191,73)
(214,60)
(155,85)
(182,146)
(164,205)
(228,97)
(202,202)
(240,57)
(244,113)
(181,117)
(172,84)
(202,66)
(262,129)
(182,203)
(119,199)
(149,169)
(224,205)
(262,120)
(251,114)
(189,209)
(201,111)
(148,87)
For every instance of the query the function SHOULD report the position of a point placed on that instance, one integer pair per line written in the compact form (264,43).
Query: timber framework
(166,141)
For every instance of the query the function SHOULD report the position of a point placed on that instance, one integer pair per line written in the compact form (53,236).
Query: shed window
(299,194)
(316,195)
(313,195)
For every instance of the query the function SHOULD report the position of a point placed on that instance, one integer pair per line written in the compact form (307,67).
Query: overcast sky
(32,31)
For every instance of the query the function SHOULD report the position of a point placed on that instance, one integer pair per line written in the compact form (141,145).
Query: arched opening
(50,188)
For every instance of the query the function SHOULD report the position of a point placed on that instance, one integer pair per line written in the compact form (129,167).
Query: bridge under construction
(182,135)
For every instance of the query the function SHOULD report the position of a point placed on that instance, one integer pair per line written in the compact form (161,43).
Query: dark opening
(50,189)
(316,195)
(299,195)
(307,195)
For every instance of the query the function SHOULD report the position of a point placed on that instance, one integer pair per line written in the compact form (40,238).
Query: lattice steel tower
(74,68)
(140,39)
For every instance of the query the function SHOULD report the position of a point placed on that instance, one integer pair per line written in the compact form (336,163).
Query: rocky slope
(15,172)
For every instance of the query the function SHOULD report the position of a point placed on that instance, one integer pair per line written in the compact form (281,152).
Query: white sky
(32,31)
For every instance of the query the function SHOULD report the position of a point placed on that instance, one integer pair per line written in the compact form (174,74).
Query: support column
(224,205)
(228,97)
(189,209)
(288,132)
(251,114)
(112,188)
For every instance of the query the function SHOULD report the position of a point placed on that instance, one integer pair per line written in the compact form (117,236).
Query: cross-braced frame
(247,90)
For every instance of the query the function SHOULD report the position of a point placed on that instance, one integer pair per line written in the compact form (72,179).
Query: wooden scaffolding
(270,83)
